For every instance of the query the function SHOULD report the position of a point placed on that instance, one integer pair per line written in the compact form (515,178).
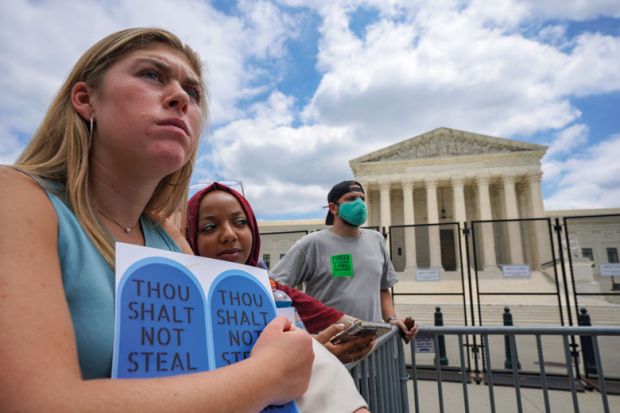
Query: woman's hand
(287,355)
(349,351)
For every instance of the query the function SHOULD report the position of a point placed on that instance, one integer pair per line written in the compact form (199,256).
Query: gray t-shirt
(342,272)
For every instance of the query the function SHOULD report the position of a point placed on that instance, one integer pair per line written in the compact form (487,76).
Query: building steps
(524,314)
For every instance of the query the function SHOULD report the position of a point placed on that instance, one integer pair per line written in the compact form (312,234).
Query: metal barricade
(381,376)
(592,245)
(537,332)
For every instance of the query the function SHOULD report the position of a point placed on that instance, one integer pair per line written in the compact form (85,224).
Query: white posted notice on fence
(427,274)
(516,270)
(424,344)
(610,269)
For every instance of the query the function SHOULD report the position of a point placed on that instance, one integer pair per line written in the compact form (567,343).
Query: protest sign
(177,313)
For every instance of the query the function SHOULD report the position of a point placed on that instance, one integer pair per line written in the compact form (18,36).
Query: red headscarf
(193,208)
(315,315)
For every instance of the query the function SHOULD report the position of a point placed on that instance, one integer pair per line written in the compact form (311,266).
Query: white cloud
(445,67)
(593,66)
(552,170)
(568,139)
(499,67)
(271,198)
(10,148)
(37,47)
(265,151)
(269,28)
(572,9)
(555,35)
(52,35)
(449,68)
(504,14)
(591,180)
(462,66)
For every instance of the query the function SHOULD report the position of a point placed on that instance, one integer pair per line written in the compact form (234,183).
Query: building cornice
(443,140)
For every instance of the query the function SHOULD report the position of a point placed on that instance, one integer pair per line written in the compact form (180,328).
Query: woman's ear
(81,96)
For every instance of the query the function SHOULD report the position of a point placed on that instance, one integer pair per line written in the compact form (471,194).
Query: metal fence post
(441,353)
(583,319)
(507,316)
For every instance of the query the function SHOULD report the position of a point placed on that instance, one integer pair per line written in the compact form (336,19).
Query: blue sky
(298,88)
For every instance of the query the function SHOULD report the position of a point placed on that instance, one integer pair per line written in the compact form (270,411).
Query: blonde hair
(59,150)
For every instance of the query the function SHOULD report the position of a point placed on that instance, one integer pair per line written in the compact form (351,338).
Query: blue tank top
(89,285)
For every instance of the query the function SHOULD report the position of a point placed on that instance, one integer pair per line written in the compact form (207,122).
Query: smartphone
(361,328)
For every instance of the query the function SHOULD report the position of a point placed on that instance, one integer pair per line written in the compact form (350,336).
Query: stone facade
(446,176)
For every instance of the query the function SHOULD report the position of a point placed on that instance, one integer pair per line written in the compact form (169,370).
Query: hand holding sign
(281,334)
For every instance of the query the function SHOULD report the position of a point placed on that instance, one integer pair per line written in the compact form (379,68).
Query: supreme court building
(447,175)
(420,191)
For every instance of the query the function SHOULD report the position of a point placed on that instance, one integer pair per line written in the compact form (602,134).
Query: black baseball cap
(339,190)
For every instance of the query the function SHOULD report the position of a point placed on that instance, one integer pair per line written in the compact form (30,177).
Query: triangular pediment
(446,142)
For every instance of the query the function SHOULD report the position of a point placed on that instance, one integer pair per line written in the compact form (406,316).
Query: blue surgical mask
(354,212)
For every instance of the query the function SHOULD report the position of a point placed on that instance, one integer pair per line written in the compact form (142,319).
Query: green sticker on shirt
(342,265)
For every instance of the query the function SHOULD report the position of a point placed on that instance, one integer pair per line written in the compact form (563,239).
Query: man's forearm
(387,306)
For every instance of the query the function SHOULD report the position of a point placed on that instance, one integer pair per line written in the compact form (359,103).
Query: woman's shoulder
(10,174)
(16,184)
(22,196)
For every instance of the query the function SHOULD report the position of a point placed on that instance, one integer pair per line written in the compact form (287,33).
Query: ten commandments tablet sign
(177,313)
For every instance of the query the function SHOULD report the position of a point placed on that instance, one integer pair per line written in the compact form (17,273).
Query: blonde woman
(114,151)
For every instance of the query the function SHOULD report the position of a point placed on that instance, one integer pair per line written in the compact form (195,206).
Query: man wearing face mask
(345,266)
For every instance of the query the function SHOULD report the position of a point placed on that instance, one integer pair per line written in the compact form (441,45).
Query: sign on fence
(424,344)
(516,270)
(427,274)
(611,269)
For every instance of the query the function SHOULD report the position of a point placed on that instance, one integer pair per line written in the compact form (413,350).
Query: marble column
(458,191)
(434,245)
(460,214)
(488,237)
(539,240)
(536,203)
(386,212)
(410,249)
(514,228)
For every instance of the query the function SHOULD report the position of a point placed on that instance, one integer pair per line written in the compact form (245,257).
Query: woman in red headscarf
(222,225)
